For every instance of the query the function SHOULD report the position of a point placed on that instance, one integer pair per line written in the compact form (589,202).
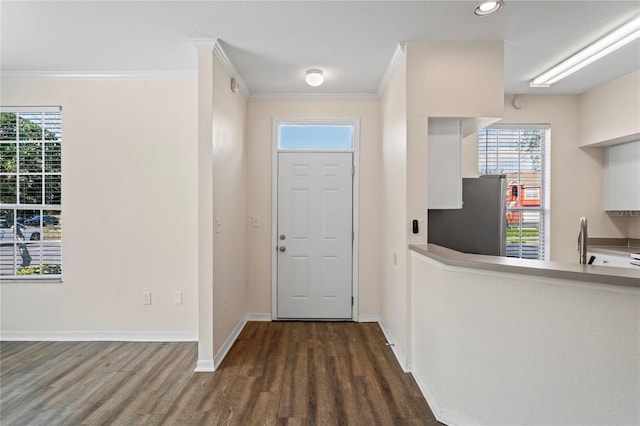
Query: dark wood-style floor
(294,373)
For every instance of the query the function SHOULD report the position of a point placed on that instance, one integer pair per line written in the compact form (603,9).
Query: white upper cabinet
(622,177)
(445,171)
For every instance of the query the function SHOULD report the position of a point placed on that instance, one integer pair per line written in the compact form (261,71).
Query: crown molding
(98,75)
(315,96)
(204,43)
(230,68)
(395,60)
(214,45)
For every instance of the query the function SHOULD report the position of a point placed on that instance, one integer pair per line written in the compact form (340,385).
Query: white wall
(261,113)
(504,349)
(129,209)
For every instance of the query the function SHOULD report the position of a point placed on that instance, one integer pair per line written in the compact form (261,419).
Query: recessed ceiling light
(314,78)
(488,7)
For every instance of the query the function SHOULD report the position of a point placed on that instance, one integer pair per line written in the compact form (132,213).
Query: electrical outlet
(217,224)
(177,297)
(146,297)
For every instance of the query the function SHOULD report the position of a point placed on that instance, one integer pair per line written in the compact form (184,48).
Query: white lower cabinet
(622,261)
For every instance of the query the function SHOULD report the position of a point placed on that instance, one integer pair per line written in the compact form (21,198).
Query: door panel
(315,216)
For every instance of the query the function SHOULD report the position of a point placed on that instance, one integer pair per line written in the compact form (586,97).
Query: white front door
(315,239)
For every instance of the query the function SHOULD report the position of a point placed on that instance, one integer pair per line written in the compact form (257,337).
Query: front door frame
(355,122)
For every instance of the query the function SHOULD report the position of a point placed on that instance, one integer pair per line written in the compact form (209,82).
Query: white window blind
(30,192)
(519,153)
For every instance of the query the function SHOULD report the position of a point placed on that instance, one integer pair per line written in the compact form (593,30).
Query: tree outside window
(30,192)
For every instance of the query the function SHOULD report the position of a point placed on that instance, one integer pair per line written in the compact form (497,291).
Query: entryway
(314,212)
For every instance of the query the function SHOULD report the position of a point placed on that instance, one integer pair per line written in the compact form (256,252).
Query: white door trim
(355,122)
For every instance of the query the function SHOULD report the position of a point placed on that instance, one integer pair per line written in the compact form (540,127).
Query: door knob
(283,248)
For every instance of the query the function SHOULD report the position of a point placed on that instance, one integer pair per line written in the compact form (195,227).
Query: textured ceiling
(272,43)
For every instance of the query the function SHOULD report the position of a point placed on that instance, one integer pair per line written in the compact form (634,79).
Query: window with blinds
(30,193)
(519,154)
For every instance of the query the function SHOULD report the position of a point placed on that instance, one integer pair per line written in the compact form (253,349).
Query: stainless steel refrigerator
(480,226)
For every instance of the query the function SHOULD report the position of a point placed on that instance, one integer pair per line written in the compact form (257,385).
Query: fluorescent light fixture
(314,78)
(488,8)
(602,47)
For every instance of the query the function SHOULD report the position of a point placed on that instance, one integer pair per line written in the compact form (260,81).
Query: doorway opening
(314,219)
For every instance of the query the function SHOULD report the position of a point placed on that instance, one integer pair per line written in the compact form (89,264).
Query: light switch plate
(177,297)
(146,297)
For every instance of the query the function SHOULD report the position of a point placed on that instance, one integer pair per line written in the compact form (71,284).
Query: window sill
(56,279)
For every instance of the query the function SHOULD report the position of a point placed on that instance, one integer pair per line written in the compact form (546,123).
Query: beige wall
(205,209)
(577,175)
(611,111)
(432,80)
(129,209)
(634,227)
(261,113)
(393,205)
(445,80)
(229,207)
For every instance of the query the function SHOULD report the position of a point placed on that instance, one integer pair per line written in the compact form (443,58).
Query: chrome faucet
(582,241)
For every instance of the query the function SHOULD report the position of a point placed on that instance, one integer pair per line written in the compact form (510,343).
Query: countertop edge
(613,251)
(538,268)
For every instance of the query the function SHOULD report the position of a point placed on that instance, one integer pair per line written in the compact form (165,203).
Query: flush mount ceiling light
(314,78)
(488,8)
(600,48)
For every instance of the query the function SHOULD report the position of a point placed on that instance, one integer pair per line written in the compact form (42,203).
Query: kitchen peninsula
(549,342)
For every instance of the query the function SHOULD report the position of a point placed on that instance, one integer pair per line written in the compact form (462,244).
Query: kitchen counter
(613,246)
(538,268)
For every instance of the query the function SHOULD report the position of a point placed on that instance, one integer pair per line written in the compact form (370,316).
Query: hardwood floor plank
(185,408)
(264,410)
(277,373)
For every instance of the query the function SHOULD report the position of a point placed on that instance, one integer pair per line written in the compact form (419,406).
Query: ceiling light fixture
(602,47)
(488,8)
(314,78)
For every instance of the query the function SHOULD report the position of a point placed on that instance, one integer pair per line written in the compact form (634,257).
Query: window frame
(43,209)
(544,189)
(319,122)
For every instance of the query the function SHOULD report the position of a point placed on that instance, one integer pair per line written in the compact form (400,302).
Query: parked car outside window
(7,235)
(46,220)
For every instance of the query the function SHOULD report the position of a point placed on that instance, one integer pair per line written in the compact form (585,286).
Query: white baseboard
(233,336)
(228,343)
(204,366)
(452,418)
(257,317)
(369,318)
(442,414)
(400,356)
(428,394)
(100,336)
